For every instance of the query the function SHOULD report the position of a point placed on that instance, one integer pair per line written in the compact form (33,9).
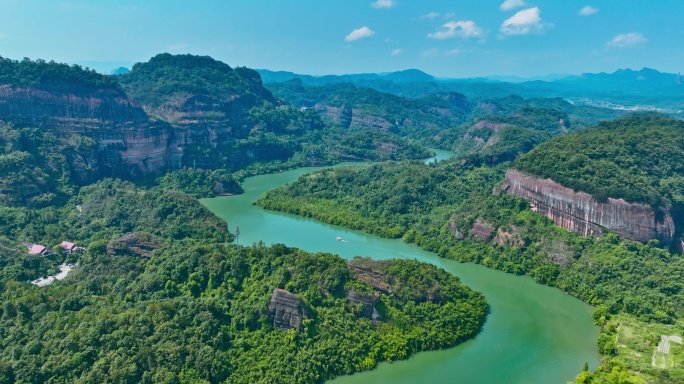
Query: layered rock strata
(129,144)
(286,310)
(582,213)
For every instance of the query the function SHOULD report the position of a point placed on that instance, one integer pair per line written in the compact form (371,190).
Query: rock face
(482,230)
(371,273)
(135,139)
(286,310)
(134,244)
(367,301)
(128,143)
(582,213)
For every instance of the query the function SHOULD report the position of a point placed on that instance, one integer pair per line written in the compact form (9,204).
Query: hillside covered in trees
(161,295)
(459,212)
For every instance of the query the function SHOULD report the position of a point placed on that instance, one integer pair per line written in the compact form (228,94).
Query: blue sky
(460,38)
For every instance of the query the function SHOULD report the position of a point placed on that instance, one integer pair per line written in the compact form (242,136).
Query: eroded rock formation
(134,244)
(129,144)
(371,272)
(482,230)
(582,213)
(286,310)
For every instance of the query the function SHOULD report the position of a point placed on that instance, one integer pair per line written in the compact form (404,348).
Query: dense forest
(50,74)
(40,168)
(195,309)
(485,131)
(639,159)
(449,208)
(161,295)
(164,75)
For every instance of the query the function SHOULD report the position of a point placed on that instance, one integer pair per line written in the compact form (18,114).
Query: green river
(534,333)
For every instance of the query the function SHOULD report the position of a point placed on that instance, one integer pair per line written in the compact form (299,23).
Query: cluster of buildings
(37,249)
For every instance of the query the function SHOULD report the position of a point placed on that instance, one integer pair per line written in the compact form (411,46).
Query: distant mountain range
(407,76)
(645,89)
(623,89)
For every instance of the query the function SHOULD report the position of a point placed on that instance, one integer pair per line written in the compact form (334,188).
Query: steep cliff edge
(626,175)
(128,143)
(582,213)
(69,100)
(171,111)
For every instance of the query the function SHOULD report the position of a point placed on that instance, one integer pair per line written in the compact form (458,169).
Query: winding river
(534,334)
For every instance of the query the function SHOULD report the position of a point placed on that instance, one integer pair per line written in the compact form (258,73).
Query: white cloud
(430,16)
(396,52)
(625,40)
(463,29)
(524,22)
(452,52)
(383,4)
(359,33)
(587,10)
(449,15)
(508,5)
(430,52)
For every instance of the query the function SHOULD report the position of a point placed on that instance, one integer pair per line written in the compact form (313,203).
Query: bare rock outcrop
(367,302)
(371,272)
(582,213)
(128,143)
(286,310)
(482,230)
(134,244)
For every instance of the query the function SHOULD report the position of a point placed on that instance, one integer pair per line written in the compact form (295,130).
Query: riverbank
(534,333)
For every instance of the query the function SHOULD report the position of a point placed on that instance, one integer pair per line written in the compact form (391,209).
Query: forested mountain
(646,89)
(171,112)
(639,159)
(50,74)
(165,77)
(406,76)
(485,131)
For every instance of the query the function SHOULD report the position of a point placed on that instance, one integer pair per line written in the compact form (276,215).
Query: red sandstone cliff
(582,213)
(128,143)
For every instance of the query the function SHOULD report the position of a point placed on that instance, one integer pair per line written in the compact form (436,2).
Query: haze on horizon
(446,39)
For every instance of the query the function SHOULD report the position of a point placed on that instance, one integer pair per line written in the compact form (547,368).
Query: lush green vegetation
(41,73)
(446,208)
(197,310)
(39,168)
(200,183)
(385,199)
(154,82)
(397,114)
(639,158)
